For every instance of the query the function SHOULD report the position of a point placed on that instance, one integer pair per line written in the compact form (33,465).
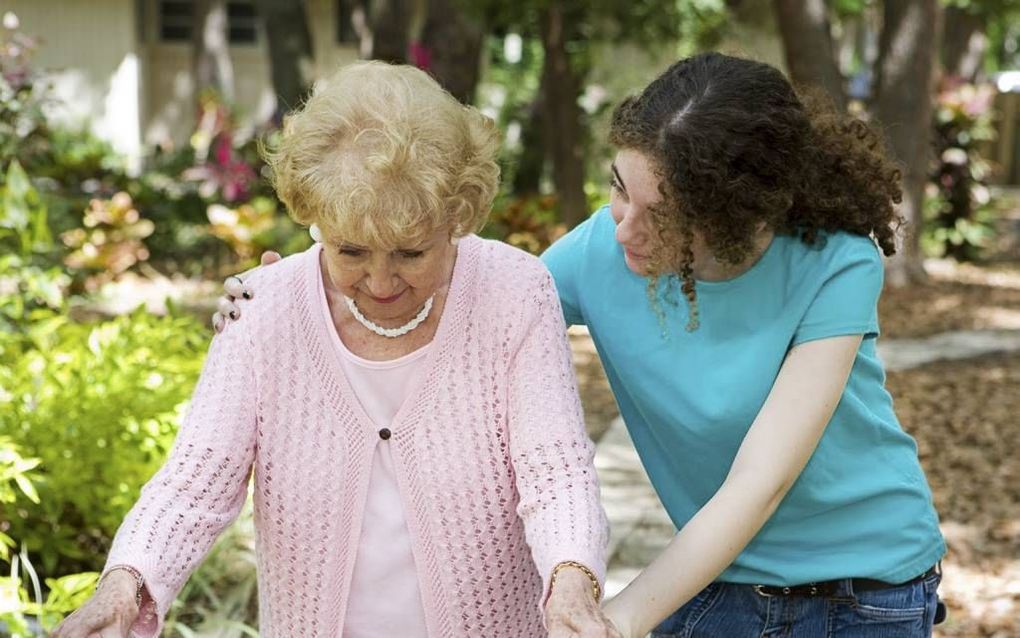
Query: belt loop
(850,589)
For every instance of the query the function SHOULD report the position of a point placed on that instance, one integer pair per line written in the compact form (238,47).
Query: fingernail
(233,315)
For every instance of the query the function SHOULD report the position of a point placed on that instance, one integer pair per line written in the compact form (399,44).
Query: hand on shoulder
(235,289)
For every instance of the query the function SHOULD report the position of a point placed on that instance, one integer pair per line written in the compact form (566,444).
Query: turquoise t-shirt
(862,506)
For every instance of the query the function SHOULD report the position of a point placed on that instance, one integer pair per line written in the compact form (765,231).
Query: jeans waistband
(838,587)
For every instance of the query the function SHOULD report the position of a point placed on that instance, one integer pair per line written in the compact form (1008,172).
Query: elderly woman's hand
(108,614)
(234,288)
(572,611)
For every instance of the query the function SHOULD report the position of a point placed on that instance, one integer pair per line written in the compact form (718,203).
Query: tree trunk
(531,162)
(807,44)
(453,42)
(212,67)
(389,22)
(290,50)
(903,105)
(964,43)
(563,127)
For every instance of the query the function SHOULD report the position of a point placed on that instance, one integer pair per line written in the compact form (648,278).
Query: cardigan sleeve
(201,487)
(550,449)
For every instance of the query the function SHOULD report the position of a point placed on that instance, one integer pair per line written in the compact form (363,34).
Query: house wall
(169,94)
(112,73)
(97,71)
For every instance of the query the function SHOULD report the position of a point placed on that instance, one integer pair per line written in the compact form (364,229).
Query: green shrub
(21,600)
(99,405)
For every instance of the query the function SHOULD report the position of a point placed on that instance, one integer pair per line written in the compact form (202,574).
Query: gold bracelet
(596,588)
(139,581)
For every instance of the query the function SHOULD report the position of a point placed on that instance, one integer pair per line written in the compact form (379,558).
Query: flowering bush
(110,241)
(958,212)
(530,223)
(22,93)
(222,170)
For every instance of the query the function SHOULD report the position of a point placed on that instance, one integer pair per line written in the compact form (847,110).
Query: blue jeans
(731,610)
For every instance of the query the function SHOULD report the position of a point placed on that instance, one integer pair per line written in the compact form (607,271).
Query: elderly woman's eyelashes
(359,252)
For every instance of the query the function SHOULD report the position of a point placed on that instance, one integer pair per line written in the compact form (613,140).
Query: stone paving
(639,526)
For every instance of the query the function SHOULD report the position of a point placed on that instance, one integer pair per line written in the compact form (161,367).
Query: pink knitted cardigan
(490,453)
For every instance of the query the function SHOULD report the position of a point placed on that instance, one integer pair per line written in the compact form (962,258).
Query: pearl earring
(316,234)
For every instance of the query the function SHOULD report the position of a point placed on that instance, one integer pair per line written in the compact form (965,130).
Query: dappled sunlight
(983,599)
(957,297)
(134,179)
(964,417)
(998,318)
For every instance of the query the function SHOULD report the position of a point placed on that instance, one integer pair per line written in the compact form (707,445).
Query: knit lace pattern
(490,454)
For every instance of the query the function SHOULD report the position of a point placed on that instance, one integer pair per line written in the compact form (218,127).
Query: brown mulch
(596,397)
(965,416)
(957,297)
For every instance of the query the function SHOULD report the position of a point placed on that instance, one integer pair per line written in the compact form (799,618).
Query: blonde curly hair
(382,156)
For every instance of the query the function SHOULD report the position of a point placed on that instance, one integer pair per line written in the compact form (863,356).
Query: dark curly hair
(736,146)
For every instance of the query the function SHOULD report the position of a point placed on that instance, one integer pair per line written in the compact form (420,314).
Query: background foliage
(90,401)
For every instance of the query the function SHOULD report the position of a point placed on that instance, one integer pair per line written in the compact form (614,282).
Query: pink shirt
(489,451)
(385,598)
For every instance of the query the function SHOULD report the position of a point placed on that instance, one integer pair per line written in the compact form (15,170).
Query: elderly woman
(404,392)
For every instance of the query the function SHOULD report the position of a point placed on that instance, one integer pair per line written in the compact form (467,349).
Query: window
(177,21)
(242,23)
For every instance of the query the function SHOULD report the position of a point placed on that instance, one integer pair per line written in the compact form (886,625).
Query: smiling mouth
(634,255)
(385,300)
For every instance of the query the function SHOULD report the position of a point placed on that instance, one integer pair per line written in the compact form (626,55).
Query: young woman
(731,289)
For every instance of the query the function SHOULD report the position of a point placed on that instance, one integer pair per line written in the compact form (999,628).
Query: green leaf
(6,544)
(15,213)
(27,487)
(22,466)
(70,592)
(22,210)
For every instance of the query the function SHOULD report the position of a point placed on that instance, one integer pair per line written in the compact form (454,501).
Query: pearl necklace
(391,333)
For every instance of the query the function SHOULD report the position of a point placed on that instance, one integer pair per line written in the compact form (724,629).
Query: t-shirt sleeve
(564,259)
(847,301)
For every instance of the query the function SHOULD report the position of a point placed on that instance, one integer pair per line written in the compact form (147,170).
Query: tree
(528,176)
(805,30)
(211,60)
(562,121)
(452,39)
(964,42)
(290,50)
(381,26)
(387,37)
(901,102)
(976,33)
(905,88)
(566,28)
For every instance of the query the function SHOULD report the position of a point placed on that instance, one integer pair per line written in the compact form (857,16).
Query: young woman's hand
(572,611)
(621,619)
(234,288)
(108,614)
